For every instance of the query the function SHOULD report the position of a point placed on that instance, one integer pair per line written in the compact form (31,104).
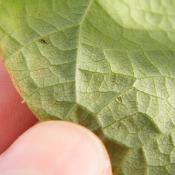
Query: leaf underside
(106,64)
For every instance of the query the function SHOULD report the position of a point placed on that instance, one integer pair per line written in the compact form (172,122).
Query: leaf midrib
(78,48)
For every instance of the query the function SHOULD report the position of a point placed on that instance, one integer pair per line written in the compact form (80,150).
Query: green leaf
(106,64)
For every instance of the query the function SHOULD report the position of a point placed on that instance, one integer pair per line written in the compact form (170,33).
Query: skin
(49,148)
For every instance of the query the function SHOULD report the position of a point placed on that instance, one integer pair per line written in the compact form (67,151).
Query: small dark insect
(43,41)
(120,99)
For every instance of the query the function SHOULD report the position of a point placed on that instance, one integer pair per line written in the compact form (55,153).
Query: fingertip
(57,147)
